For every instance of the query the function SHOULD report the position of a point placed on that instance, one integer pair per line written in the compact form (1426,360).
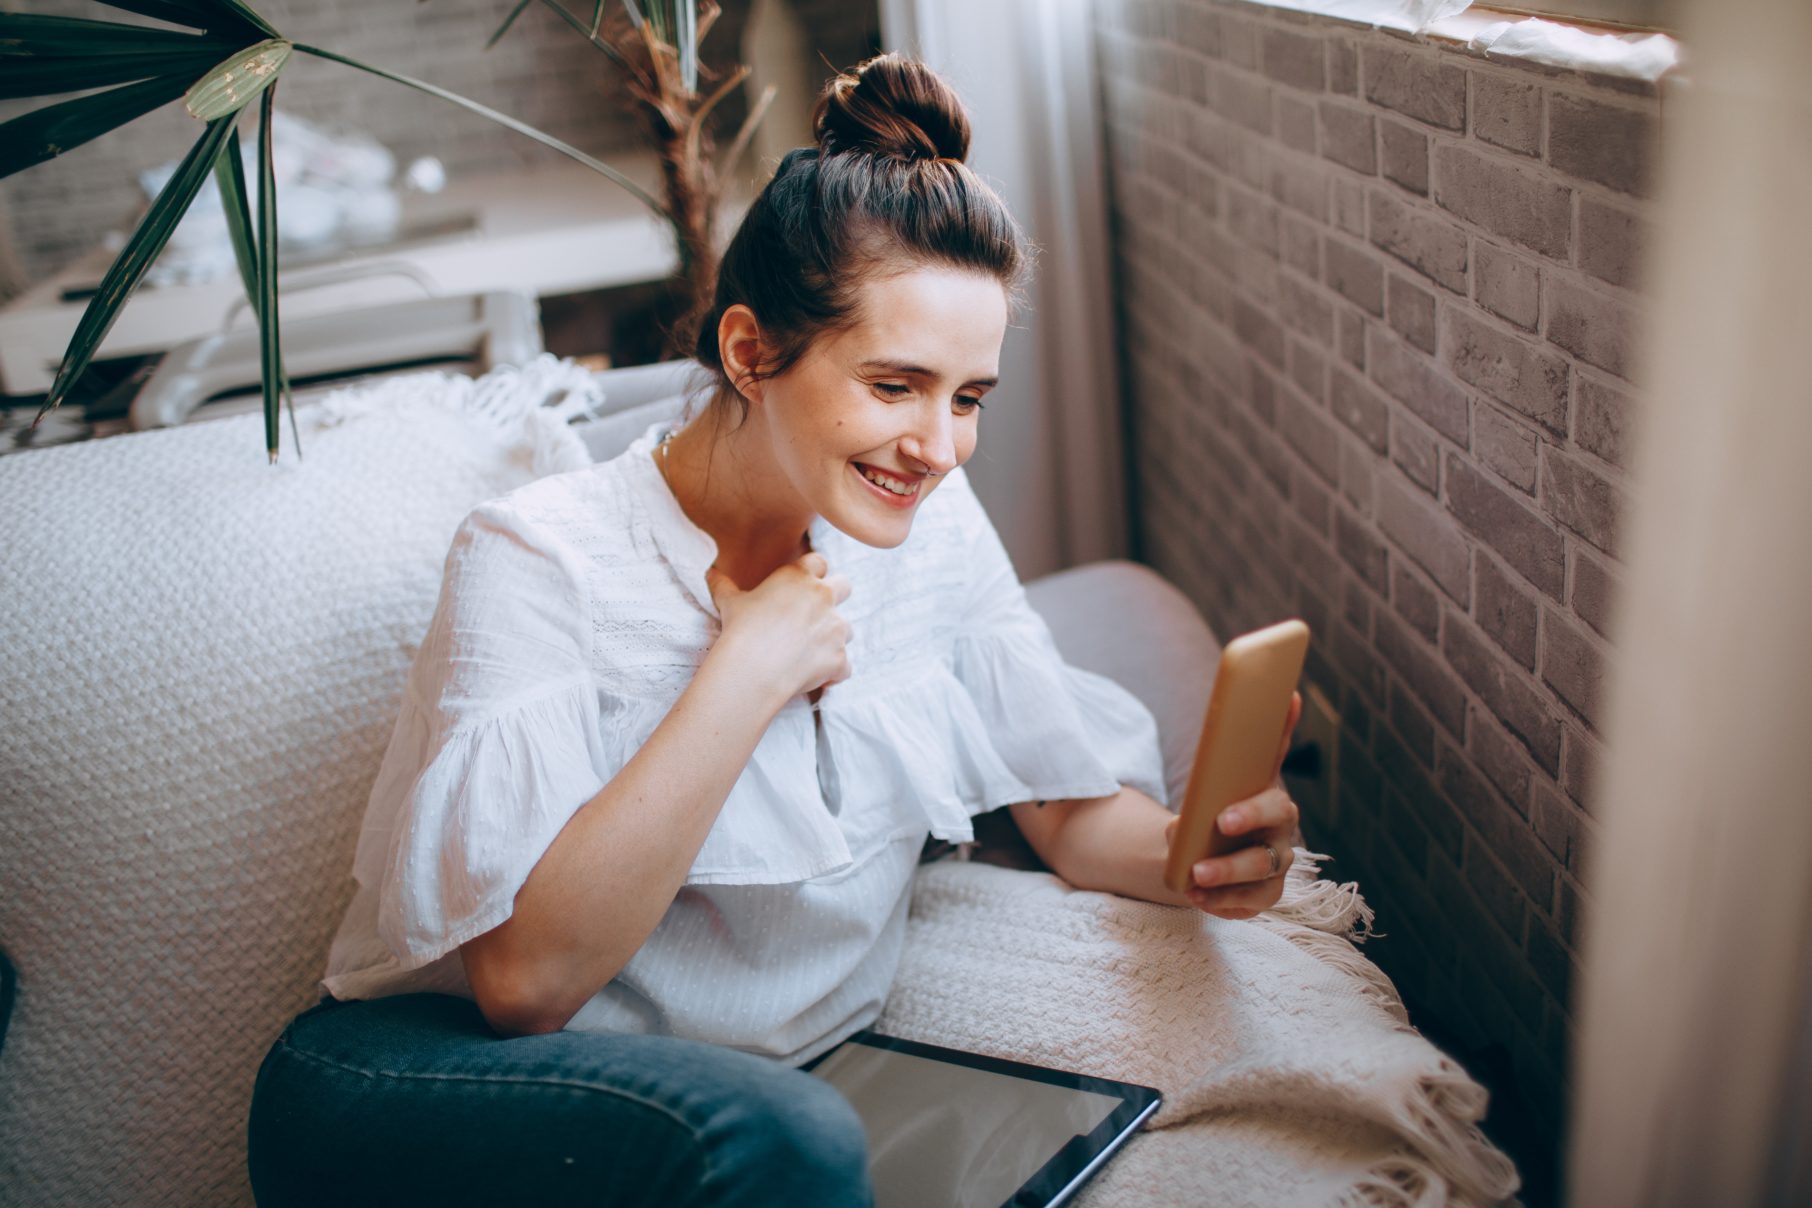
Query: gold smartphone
(1237,754)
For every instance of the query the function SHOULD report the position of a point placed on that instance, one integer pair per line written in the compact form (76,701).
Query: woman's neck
(727,483)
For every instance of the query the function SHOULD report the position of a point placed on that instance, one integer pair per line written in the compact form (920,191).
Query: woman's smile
(898,493)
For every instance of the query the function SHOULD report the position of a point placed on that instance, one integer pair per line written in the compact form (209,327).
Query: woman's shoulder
(591,508)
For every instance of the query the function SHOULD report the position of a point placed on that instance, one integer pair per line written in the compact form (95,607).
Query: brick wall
(541,72)
(1377,299)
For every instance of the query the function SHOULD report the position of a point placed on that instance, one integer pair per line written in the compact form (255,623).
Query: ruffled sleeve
(1063,731)
(497,743)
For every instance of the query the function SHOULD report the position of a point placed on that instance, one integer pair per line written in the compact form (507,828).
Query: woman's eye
(972,404)
(892,387)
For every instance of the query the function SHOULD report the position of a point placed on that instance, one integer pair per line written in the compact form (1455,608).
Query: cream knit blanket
(1289,1069)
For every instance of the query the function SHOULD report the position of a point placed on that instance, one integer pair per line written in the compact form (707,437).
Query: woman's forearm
(1116,845)
(610,874)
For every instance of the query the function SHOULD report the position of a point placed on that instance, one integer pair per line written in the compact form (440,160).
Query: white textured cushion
(201,657)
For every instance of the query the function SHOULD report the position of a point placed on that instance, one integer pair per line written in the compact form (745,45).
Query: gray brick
(1415,602)
(1426,534)
(1494,887)
(1500,757)
(1513,702)
(1607,144)
(1504,611)
(1504,446)
(1356,605)
(1419,794)
(1570,906)
(1506,285)
(1521,374)
(1301,245)
(1411,722)
(1296,124)
(1355,405)
(1308,368)
(1240,42)
(1349,205)
(1412,312)
(1243,100)
(1573,666)
(1353,275)
(1361,550)
(1527,541)
(1595,591)
(1358,662)
(1580,498)
(1304,188)
(1262,448)
(1310,435)
(1407,377)
(1349,137)
(1342,67)
(1349,333)
(1509,200)
(1601,419)
(1404,155)
(1252,219)
(1419,85)
(1561,827)
(1199,30)
(1311,501)
(1554,969)
(1610,242)
(1591,326)
(1357,469)
(1422,672)
(1195,78)
(1294,59)
(1417,454)
(1507,113)
(1504,832)
(1424,241)
(1258,331)
(1580,768)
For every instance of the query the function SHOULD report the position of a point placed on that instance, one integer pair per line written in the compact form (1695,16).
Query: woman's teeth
(886,483)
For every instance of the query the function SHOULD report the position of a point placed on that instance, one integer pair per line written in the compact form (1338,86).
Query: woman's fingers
(1249,864)
(1289,729)
(1272,808)
(814,562)
(840,587)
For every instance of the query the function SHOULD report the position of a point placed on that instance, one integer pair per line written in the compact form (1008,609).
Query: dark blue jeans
(413,1099)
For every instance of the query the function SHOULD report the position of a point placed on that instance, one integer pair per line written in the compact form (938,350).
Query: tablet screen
(961,1129)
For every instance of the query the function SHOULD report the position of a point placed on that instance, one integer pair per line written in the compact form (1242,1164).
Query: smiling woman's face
(897,397)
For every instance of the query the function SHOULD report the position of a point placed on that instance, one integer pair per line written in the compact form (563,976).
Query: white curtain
(1692,1076)
(1049,466)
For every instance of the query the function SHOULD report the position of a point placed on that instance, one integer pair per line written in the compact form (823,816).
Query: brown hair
(884,191)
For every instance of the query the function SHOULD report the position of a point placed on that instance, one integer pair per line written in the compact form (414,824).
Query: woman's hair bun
(892,106)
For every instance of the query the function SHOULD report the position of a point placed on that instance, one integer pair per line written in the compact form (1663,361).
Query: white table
(556,229)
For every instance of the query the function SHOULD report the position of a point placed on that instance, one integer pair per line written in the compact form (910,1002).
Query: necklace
(665,477)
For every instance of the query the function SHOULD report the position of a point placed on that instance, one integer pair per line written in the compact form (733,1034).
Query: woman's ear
(739,349)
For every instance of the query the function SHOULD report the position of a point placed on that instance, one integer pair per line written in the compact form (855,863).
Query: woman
(683,722)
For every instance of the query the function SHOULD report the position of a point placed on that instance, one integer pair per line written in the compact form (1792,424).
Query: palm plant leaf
(152,233)
(507,22)
(50,76)
(229,175)
(30,36)
(198,14)
(502,119)
(270,354)
(35,137)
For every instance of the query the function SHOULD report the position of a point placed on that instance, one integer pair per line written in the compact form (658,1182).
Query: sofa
(204,654)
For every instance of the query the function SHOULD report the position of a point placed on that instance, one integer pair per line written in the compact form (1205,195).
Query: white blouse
(572,613)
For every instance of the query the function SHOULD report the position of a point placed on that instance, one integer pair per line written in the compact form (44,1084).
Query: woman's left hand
(1240,884)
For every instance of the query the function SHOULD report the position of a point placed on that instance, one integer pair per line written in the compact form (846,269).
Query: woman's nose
(932,442)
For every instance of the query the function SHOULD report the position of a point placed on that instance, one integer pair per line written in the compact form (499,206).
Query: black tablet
(948,1128)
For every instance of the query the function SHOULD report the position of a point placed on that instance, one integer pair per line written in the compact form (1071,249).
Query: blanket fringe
(533,405)
(1441,1116)
(1400,1181)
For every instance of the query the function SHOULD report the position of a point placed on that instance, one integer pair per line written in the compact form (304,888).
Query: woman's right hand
(788,625)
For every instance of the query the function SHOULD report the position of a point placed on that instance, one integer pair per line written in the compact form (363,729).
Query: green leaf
(142,248)
(231,84)
(197,14)
(270,354)
(34,137)
(26,36)
(546,140)
(71,73)
(507,22)
(229,174)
